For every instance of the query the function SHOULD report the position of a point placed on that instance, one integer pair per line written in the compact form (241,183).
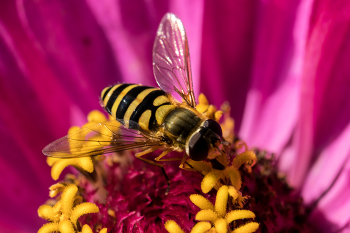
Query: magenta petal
(327,167)
(227,47)
(131,28)
(271,110)
(325,105)
(333,209)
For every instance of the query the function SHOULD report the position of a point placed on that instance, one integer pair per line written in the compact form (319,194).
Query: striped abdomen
(148,106)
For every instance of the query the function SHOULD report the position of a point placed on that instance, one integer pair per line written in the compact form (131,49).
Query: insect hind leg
(150,150)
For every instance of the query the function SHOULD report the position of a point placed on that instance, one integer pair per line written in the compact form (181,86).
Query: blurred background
(282,65)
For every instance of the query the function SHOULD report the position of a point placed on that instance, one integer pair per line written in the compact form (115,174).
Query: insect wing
(171,59)
(101,138)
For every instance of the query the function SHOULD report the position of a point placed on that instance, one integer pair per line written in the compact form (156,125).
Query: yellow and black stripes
(136,103)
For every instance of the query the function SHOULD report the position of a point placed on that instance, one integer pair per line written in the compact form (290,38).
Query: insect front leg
(183,162)
(150,150)
(164,154)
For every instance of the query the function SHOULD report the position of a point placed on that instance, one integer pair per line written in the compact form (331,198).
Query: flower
(282,65)
(62,216)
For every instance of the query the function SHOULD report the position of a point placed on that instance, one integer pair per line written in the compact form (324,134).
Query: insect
(151,118)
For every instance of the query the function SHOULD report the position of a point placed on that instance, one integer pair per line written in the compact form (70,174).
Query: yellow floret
(83,163)
(247,228)
(235,177)
(67,198)
(56,189)
(210,180)
(201,202)
(96,116)
(239,214)
(221,225)
(45,212)
(206,215)
(83,208)
(62,213)
(172,227)
(86,229)
(66,227)
(201,227)
(48,228)
(221,201)
(245,157)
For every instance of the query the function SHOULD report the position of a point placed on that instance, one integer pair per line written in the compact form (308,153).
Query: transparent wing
(102,138)
(171,59)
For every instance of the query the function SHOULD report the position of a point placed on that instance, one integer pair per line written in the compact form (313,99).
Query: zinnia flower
(282,65)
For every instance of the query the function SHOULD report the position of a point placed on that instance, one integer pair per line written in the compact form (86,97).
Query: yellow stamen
(172,227)
(84,208)
(86,229)
(233,193)
(96,116)
(221,201)
(67,198)
(247,228)
(210,180)
(239,214)
(206,215)
(56,189)
(111,213)
(48,228)
(203,103)
(83,163)
(235,177)
(202,166)
(247,156)
(66,227)
(218,115)
(46,212)
(201,202)
(104,230)
(221,225)
(201,227)
(50,161)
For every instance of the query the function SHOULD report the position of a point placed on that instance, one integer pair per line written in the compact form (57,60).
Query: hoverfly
(151,118)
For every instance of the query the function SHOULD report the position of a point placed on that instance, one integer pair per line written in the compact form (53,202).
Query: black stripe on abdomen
(114,96)
(147,104)
(128,99)
(106,92)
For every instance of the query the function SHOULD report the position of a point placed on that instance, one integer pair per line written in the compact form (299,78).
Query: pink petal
(271,110)
(333,209)
(227,48)
(325,105)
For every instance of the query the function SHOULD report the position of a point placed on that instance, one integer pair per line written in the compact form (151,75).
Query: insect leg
(164,154)
(183,162)
(149,150)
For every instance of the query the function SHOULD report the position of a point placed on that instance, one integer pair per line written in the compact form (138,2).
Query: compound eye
(213,126)
(198,147)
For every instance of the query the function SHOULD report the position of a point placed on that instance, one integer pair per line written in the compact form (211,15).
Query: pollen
(59,165)
(172,227)
(221,201)
(201,202)
(82,163)
(206,109)
(212,178)
(201,227)
(63,216)
(219,218)
(83,208)
(96,116)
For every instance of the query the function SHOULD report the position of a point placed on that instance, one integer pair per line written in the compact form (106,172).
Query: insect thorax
(179,123)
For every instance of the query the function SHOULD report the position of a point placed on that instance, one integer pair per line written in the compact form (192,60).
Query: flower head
(63,216)
(282,65)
